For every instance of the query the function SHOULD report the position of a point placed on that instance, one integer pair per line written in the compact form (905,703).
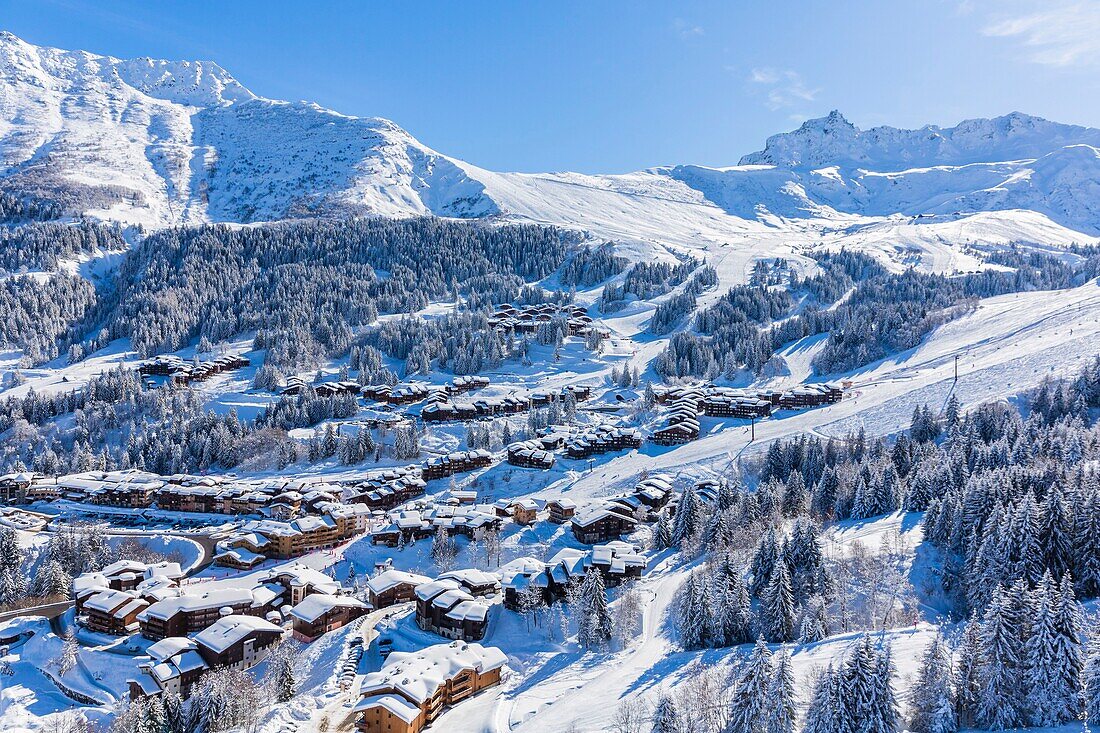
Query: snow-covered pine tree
(1086,540)
(815,621)
(749,706)
(1068,655)
(175,718)
(662,533)
(1000,704)
(695,612)
(886,717)
(777,605)
(931,698)
(596,626)
(688,517)
(732,609)
(1091,677)
(781,694)
(763,562)
(284,680)
(1045,699)
(70,651)
(824,712)
(868,702)
(666,717)
(967,677)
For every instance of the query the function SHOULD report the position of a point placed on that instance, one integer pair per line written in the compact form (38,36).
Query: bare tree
(632,716)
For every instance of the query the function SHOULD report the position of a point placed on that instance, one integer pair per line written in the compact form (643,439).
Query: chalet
(129,576)
(177,662)
(444,608)
(603,439)
(601,525)
(654,491)
(112,612)
(15,487)
(175,666)
(393,586)
(405,394)
(475,582)
(530,454)
(237,642)
(390,488)
(467,384)
(524,511)
(238,558)
(677,433)
(460,462)
(810,395)
(192,612)
(413,689)
(561,510)
(616,562)
(321,613)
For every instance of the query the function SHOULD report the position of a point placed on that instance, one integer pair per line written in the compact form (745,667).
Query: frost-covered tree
(750,706)
(695,612)
(689,517)
(666,717)
(781,696)
(1000,696)
(777,605)
(932,698)
(595,626)
(70,653)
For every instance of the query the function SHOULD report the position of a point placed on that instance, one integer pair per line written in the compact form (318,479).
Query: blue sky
(610,86)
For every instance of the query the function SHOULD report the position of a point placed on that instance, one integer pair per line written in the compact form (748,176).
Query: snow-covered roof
(391,578)
(115,602)
(395,704)
(228,630)
(170,647)
(427,591)
(316,605)
(217,598)
(471,577)
(417,675)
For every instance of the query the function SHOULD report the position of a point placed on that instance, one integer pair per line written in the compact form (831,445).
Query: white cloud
(785,88)
(1062,34)
(686,29)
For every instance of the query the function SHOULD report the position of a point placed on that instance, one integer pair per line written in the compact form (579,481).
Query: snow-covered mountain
(162,143)
(159,143)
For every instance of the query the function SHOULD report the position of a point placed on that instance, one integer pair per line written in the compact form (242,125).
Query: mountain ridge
(162,143)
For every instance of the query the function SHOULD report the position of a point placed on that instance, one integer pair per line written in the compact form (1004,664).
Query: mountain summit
(163,143)
(833,140)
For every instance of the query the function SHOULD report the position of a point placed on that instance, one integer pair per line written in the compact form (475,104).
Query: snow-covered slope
(162,143)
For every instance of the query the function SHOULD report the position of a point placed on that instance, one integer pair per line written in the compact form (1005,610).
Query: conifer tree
(596,626)
(763,563)
(695,613)
(286,685)
(1092,682)
(931,698)
(967,677)
(1000,690)
(688,517)
(662,533)
(777,605)
(749,707)
(666,717)
(781,695)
